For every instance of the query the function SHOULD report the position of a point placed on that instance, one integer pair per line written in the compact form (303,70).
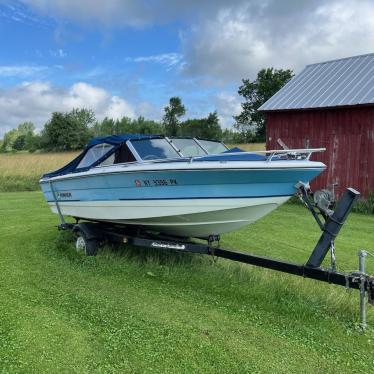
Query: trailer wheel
(86,246)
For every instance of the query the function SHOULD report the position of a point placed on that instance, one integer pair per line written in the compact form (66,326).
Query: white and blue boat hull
(185,199)
(192,217)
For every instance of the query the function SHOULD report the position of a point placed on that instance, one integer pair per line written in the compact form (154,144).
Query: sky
(128,57)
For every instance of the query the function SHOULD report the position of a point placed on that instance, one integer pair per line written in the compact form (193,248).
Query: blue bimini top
(118,139)
(115,140)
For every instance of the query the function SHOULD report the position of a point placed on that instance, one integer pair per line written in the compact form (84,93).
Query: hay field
(21,171)
(249,146)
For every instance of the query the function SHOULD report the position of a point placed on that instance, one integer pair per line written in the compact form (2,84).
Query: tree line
(72,130)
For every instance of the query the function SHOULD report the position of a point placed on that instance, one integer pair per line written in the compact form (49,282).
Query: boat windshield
(154,149)
(188,147)
(213,147)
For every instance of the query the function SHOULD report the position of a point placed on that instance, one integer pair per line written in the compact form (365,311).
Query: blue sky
(126,57)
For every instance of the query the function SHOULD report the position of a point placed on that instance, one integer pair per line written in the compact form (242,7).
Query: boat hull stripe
(181,198)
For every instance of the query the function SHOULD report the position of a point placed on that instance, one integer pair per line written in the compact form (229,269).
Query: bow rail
(271,153)
(294,154)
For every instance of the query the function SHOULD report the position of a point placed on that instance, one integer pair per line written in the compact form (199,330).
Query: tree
(208,127)
(68,131)
(33,142)
(82,117)
(20,143)
(231,136)
(16,139)
(126,125)
(213,129)
(173,112)
(147,126)
(106,127)
(250,122)
(27,132)
(26,128)
(10,138)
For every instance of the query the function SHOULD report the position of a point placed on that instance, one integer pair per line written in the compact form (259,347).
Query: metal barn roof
(347,81)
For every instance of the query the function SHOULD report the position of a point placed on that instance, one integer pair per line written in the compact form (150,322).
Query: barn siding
(346,133)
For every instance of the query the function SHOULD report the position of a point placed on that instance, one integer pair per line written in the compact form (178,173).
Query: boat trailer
(90,235)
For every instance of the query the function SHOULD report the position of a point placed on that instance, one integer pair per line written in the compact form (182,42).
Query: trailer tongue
(91,234)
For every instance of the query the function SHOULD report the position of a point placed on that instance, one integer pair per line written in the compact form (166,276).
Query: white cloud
(35,101)
(136,13)
(17,12)
(227,106)
(149,110)
(58,53)
(222,42)
(118,108)
(169,59)
(240,40)
(109,12)
(233,40)
(20,71)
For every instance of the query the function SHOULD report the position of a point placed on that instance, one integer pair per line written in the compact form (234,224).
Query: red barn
(331,105)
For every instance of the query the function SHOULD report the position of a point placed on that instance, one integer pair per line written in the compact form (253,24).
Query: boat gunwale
(105,173)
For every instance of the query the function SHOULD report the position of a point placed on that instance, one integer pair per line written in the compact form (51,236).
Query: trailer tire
(86,246)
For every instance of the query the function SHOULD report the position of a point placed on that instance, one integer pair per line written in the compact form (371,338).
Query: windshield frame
(139,158)
(198,140)
(180,150)
(198,143)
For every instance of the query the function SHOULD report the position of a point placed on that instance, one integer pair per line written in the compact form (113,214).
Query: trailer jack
(330,225)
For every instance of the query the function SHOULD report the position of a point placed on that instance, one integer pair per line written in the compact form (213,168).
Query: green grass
(365,206)
(135,310)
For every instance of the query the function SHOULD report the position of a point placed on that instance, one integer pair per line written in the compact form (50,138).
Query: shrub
(365,206)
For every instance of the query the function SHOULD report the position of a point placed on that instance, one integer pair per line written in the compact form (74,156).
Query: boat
(184,187)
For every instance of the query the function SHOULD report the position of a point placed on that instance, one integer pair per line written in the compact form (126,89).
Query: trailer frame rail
(98,232)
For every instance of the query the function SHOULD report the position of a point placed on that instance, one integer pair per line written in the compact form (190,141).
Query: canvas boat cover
(117,140)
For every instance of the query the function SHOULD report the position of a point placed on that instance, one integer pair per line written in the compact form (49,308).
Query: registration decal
(155,182)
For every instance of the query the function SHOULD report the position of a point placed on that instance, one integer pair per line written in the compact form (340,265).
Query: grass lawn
(140,311)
